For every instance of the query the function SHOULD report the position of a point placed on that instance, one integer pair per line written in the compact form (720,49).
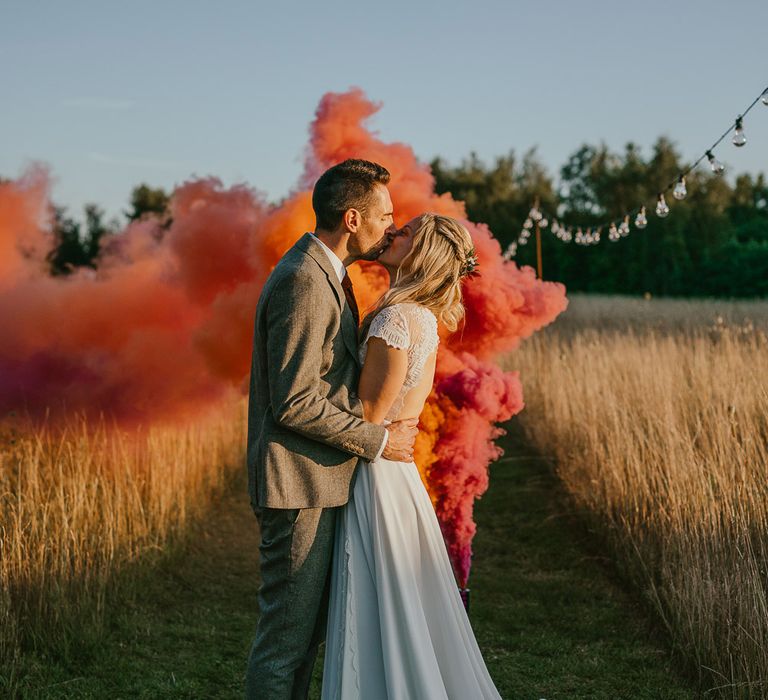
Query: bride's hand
(402,436)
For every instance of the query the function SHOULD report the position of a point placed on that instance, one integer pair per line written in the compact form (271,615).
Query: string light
(624,226)
(565,233)
(510,251)
(738,138)
(662,208)
(680,191)
(717,166)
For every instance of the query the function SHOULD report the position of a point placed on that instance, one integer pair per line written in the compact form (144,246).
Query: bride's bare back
(397,376)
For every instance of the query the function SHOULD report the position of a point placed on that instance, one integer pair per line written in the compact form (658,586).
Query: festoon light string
(592,236)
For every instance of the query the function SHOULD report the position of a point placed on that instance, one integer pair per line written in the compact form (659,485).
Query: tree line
(713,243)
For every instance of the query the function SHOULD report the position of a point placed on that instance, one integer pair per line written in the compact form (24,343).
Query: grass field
(655,413)
(550,618)
(627,519)
(82,507)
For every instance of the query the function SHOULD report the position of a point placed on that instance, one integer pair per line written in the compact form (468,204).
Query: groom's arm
(296,326)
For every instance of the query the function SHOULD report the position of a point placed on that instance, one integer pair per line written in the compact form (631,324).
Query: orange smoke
(162,329)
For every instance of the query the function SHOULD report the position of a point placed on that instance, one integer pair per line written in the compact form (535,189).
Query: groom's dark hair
(346,185)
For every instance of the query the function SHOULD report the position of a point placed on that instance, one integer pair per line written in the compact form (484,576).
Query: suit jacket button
(352,395)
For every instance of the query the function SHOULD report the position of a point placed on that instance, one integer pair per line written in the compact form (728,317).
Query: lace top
(408,326)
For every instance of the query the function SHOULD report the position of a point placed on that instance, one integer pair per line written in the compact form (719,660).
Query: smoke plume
(161,330)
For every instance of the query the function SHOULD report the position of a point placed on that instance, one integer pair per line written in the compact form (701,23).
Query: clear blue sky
(111,94)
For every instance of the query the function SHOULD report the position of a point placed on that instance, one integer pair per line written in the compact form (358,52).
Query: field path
(550,618)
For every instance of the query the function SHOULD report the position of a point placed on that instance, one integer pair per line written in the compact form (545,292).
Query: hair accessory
(470,265)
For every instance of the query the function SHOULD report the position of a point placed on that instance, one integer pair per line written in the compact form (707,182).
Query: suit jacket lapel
(311,247)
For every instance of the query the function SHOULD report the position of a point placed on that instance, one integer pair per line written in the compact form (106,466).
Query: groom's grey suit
(306,435)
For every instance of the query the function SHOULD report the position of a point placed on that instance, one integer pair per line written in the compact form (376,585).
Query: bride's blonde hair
(430,274)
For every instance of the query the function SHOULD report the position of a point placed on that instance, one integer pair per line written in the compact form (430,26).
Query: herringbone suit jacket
(306,431)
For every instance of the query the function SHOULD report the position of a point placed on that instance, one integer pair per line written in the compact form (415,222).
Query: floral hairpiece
(470,265)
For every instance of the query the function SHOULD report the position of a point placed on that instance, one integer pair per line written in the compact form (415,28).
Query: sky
(112,94)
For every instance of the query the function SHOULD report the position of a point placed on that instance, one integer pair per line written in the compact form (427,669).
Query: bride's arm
(381,378)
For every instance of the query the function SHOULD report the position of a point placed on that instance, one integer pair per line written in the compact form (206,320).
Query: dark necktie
(346,284)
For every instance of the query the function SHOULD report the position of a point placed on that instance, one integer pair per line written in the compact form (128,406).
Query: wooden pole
(538,242)
(538,249)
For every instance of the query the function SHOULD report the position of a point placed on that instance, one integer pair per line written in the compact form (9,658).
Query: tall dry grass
(656,416)
(79,508)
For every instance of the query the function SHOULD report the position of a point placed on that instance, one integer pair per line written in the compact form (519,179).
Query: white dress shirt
(338,266)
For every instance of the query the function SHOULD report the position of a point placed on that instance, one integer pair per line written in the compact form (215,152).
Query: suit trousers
(295,557)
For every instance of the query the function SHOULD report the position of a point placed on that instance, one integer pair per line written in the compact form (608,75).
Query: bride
(397,628)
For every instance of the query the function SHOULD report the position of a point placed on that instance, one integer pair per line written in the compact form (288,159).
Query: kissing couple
(351,549)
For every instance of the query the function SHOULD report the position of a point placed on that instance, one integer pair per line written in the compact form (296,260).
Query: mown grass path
(550,618)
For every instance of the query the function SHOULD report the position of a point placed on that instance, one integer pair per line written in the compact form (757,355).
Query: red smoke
(162,329)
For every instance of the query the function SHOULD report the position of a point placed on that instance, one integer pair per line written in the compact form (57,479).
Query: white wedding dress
(397,628)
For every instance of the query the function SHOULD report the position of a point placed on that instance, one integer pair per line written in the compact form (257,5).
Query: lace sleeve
(391,325)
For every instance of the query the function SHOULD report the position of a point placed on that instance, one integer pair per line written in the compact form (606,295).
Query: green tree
(148,200)
(499,195)
(74,248)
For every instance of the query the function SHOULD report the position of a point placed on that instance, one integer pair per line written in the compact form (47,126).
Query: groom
(306,431)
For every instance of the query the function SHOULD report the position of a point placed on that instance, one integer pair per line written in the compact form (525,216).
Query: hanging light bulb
(738,138)
(662,209)
(624,226)
(717,166)
(555,226)
(641,221)
(527,223)
(765,96)
(543,223)
(613,232)
(679,192)
(597,234)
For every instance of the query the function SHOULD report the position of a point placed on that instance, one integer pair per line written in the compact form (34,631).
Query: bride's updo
(430,274)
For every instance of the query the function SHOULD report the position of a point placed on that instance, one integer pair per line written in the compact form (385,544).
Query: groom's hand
(402,435)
